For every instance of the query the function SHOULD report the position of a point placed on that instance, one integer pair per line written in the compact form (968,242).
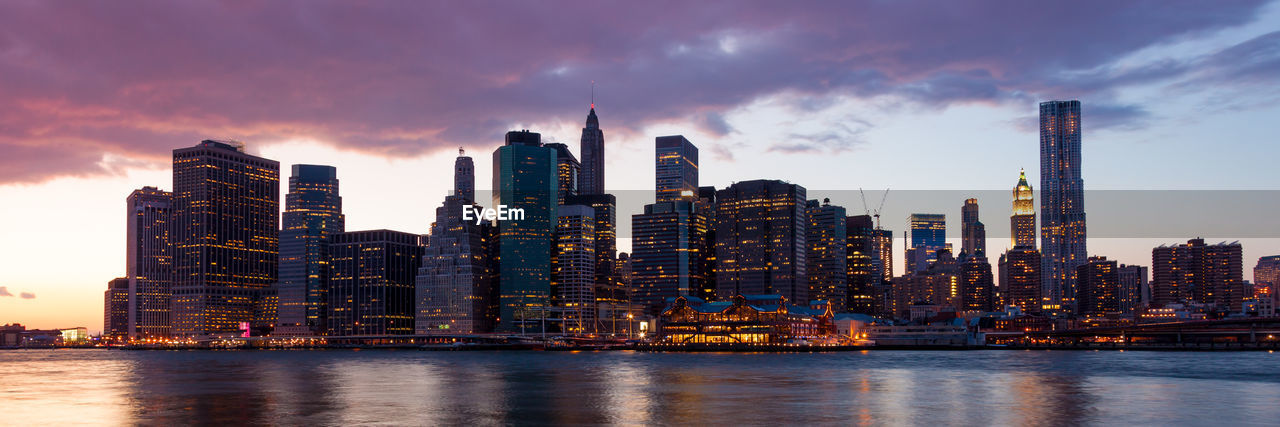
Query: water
(57,387)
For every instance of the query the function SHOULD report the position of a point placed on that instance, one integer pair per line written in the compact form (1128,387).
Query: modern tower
(1135,290)
(668,257)
(1023,221)
(371,290)
(1062,218)
(677,168)
(525,178)
(928,236)
(760,240)
(861,262)
(973,233)
(591,180)
(573,268)
(312,211)
(149,263)
(567,172)
(826,257)
(225,235)
(612,298)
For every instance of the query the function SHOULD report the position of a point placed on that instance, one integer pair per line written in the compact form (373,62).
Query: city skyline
(737,153)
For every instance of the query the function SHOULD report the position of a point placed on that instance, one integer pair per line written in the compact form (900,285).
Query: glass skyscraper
(371,289)
(928,236)
(312,212)
(760,240)
(677,169)
(525,178)
(149,269)
(1062,221)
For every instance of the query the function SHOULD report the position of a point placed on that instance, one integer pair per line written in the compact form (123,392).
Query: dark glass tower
(1062,222)
(371,289)
(312,212)
(524,177)
(677,169)
(928,236)
(668,257)
(827,265)
(760,240)
(861,262)
(591,181)
(973,233)
(567,172)
(225,234)
(149,269)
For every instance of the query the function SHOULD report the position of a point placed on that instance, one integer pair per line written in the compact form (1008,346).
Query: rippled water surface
(56,387)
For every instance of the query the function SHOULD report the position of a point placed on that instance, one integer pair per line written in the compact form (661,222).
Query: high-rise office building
(1062,218)
(826,257)
(115,309)
(1020,279)
(454,286)
(937,285)
(371,289)
(1022,223)
(1196,272)
(612,298)
(668,254)
(973,233)
(1266,273)
(573,268)
(861,264)
(1135,291)
(525,178)
(977,286)
(760,240)
(928,236)
(591,180)
(149,263)
(567,171)
(677,169)
(1099,286)
(312,211)
(225,234)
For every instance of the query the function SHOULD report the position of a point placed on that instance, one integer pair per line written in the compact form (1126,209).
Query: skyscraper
(1062,222)
(225,234)
(371,289)
(861,264)
(826,256)
(1023,221)
(454,286)
(525,178)
(677,168)
(1135,292)
(760,240)
(573,268)
(668,256)
(1099,286)
(591,181)
(928,236)
(1196,272)
(973,233)
(1020,279)
(977,287)
(115,309)
(1266,273)
(612,299)
(567,171)
(312,211)
(149,263)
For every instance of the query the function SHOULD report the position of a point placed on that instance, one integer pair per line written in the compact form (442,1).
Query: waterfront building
(668,255)
(861,262)
(115,309)
(973,233)
(567,171)
(1062,216)
(454,286)
(760,240)
(225,234)
(1266,274)
(928,236)
(1022,222)
(1135,290)
(826,258)
(1098,290)
(525,178)
(1198,273)
(742,319)
(1020,279)
(312,211)
(149,263)
(591,180)
(371,289)
(612,297)
(677,168)
(573,268)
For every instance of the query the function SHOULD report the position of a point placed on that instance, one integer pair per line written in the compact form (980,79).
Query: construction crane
(876,213)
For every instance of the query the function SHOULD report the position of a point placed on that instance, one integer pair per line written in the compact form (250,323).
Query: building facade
(312,211)
(827,257)
(761,240)
(1062,217)
(677,168)
(115,309)
(149,263)
(591,180)
(225,234)
(573,268)
(1020,279)
(668,254)
(1022,222)
(973,233)
(1198,273)
(928,236)
(1135,290)
(525,177)
(454,288)
(371,289)
(1098,287)
(567,171)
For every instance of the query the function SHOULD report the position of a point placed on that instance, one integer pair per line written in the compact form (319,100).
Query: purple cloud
(4,292)
(83,80)
(28,295)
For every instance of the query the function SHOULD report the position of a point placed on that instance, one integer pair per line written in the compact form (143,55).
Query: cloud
(91,87)
(4,292)
(28,295)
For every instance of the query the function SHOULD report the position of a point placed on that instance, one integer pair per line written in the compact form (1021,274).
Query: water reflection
(410,387)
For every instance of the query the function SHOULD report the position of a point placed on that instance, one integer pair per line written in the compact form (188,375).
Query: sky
(835,96)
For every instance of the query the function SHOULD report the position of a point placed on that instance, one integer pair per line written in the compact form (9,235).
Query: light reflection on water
(411,387)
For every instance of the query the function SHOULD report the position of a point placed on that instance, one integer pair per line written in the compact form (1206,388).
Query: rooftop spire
(592,121)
